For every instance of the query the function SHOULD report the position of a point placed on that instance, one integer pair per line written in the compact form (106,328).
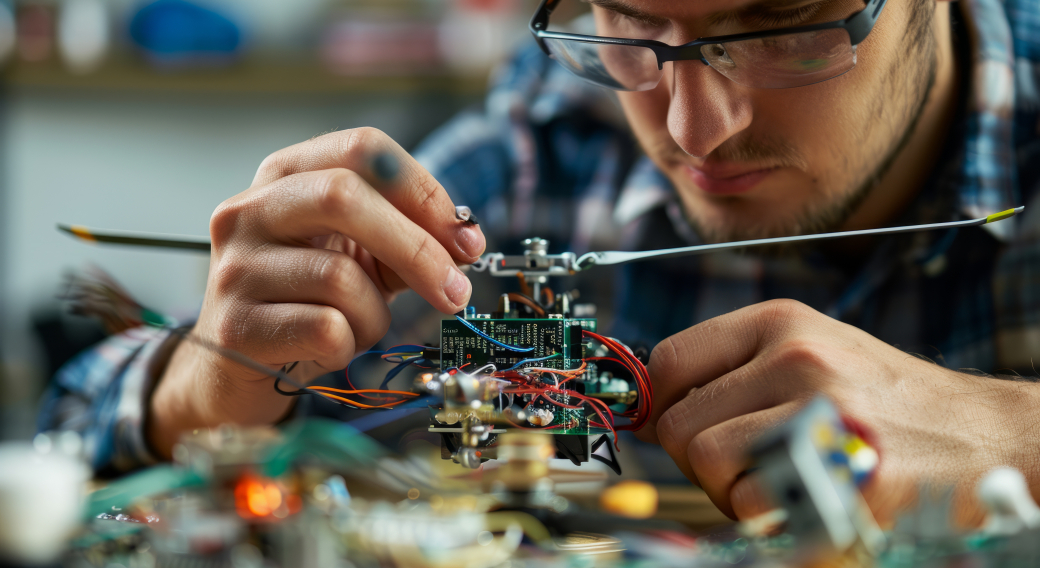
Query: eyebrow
(626,10)
(758,8)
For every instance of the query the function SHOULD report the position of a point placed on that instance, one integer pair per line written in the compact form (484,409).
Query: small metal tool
(536,263)
(591,259)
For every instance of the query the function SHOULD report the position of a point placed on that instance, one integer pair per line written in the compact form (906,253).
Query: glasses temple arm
(861,23)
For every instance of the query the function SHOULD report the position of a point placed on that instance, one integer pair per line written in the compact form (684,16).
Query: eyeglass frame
(858,26)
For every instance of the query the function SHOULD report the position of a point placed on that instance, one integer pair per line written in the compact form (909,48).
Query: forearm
(195,392)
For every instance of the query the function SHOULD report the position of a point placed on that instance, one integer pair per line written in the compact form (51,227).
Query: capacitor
(540,417)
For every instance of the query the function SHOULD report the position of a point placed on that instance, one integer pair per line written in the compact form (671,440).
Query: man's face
(751,163)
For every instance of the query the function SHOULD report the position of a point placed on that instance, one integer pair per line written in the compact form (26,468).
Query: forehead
(689,10)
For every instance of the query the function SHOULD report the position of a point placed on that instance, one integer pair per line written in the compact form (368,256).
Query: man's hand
(303,265)
(719,385)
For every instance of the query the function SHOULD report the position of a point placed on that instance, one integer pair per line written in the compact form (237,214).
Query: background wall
(127,145)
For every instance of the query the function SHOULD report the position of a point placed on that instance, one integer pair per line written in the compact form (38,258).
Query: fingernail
(470,240)
(457,287)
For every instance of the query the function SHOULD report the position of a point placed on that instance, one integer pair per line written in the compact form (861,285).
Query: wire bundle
(525,381)
(403,355)
(645,400)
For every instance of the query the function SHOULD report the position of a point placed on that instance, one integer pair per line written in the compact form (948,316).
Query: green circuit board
(549,337)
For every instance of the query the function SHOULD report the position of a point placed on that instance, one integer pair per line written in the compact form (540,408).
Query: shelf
(256,77)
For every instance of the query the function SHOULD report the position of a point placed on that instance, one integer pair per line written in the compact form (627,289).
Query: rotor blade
(158,240)
(591,259)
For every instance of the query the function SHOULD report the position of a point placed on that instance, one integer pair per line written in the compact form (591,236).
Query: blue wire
(492,339)
(526,361)
(356,357)
(397,371)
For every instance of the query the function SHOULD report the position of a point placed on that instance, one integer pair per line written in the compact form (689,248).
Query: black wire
(288,369)
(300,392)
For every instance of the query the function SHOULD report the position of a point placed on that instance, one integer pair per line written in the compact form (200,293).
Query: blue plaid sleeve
(102,395)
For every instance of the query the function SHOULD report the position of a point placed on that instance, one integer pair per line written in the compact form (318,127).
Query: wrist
(1021,420)
(197,391)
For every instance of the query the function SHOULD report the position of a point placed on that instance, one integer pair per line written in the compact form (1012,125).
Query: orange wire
(360,391)
(358,404)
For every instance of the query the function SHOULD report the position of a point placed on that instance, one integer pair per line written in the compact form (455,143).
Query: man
(889,114)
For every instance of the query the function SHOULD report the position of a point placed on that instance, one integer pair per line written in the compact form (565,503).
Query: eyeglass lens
(619,67)
(780,62)
(777,62)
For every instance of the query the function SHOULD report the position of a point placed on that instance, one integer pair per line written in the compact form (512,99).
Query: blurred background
(122,114)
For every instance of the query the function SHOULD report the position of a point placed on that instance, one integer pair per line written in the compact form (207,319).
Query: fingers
(413,191)
(721,454)
(275,334)
(322,277)
(748,498)
(303,206)
(721,400)
(702,353)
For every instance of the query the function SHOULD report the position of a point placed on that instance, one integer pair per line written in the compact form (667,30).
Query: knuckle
(233,327)
(229,275)
(224,221)
(806,356)
(338,190)
(663,359)
(774,320)
(275,166)
(786,304)
(667,431)
(340,273)
(362,138)
(327,332)
(705,450)
(783,310)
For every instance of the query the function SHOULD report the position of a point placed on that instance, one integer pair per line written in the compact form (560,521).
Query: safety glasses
(773,59)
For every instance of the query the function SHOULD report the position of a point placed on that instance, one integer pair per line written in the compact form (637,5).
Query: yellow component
(823,435)
(854,444)
(83,233)
(1000,216)
(633,499)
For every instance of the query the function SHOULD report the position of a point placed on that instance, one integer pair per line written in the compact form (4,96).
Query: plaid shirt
(552,156)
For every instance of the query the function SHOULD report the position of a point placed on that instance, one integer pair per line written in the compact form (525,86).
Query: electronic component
(805,466)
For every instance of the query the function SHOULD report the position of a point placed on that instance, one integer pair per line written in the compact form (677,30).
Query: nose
(706,109)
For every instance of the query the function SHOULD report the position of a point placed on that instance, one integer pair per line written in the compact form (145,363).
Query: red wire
(639,374)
